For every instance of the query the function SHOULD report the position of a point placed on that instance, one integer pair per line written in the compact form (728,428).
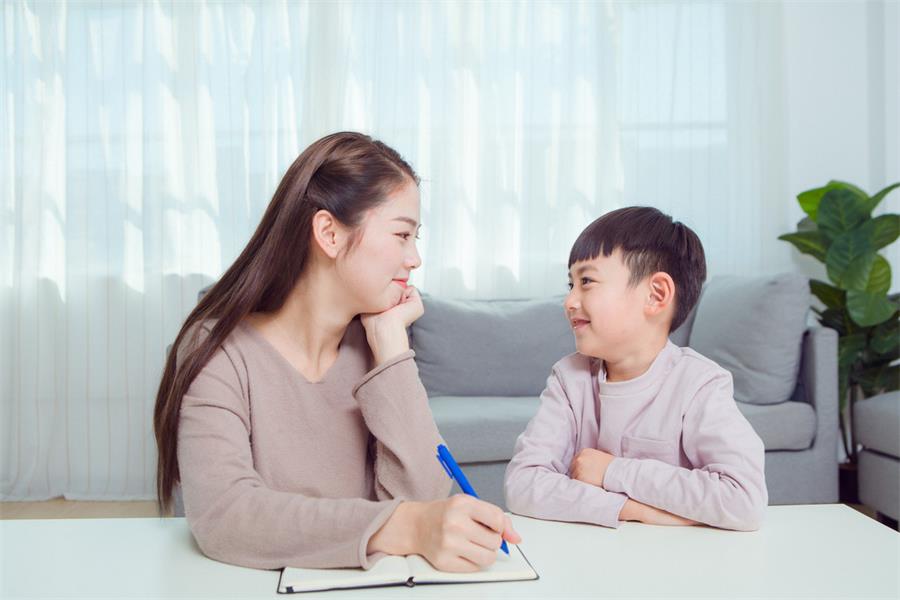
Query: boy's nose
(571,302)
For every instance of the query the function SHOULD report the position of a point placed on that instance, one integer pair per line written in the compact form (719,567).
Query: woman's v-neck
(327,376)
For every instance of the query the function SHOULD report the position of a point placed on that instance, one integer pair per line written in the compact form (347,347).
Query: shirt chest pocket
(640,447)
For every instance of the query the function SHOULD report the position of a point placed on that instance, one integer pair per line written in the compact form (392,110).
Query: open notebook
(403,570)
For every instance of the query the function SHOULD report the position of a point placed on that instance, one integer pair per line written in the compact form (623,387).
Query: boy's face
(606,314)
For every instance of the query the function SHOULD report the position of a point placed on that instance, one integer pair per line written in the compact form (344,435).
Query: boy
(632,427)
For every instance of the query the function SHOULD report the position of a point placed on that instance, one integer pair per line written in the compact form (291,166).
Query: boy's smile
(579,324)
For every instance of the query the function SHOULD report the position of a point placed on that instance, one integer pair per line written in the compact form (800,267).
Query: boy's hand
(590,466)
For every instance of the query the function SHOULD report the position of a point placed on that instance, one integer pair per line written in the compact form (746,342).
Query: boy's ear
(662,293)
(329,234)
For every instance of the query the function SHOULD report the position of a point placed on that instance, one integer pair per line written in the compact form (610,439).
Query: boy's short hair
(650,242)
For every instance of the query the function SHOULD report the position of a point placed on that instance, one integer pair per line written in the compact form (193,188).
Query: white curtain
(141,141)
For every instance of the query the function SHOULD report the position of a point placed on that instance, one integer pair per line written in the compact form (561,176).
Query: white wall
(843,100)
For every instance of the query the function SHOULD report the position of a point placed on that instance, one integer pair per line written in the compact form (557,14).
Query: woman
(292,414)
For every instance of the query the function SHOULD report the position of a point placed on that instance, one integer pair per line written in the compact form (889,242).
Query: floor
(59,508)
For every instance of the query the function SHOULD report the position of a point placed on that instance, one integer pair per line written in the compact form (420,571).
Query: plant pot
(848,483)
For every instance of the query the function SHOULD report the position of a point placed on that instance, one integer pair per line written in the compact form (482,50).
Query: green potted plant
(839,231)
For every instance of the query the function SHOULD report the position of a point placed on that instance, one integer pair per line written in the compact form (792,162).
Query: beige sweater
(277,471)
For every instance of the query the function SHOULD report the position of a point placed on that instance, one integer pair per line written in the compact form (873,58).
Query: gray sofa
(485,363)
(877,426)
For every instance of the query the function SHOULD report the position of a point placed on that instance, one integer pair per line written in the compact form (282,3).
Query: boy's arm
(727,489)
(537,482)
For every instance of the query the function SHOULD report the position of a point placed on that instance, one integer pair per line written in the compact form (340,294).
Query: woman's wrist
(398,534)
(387,341)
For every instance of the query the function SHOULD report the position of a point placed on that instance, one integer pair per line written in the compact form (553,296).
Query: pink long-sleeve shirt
(680,443)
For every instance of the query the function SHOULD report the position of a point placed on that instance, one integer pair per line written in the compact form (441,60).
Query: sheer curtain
(141,141)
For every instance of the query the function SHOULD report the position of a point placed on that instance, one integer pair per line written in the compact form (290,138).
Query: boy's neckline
(637,384)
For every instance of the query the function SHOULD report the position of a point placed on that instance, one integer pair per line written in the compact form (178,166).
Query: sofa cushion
(490,347)
(785,426)
(877,423)
(754,328)
(482,429)
(879,482)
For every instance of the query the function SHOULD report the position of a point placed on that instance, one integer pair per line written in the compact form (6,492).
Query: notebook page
(389,570)
(506,568)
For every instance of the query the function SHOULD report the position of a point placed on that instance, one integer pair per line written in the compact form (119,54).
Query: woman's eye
(404,236)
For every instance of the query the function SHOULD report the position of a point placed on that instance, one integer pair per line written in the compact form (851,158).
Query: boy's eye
(570,286)
(582,281)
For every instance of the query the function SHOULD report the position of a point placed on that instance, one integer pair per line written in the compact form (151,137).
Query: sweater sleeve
(395,408)
(726,489)
(537,481)
(233,515)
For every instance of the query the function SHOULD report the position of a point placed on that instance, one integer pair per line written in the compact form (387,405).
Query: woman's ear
(662,293)
(329,234)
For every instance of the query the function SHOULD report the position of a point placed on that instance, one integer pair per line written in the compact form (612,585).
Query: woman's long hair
(344,173)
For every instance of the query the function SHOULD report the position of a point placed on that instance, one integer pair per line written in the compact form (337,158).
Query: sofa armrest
(818,382)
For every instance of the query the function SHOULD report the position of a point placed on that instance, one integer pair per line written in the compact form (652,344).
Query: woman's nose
(414,261)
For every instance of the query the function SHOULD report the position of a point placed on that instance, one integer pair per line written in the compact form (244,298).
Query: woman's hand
(637,511)
(386,331)
(459,534)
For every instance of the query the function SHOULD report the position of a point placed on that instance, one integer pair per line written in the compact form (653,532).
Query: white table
(802,551)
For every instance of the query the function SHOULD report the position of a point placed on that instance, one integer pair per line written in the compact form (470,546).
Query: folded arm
(537,481)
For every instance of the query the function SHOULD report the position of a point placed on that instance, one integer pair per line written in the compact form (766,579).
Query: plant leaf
(831,297)
(879,276)
(882,231)
(878,197)
(810,199)
(879,380)
(851,347)
(836,319)
(844,185)
(886,336)
(840,211)
(807,242)
(849,260)
(867,309)
(883,359)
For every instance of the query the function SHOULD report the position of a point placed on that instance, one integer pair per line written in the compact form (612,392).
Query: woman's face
(377,267)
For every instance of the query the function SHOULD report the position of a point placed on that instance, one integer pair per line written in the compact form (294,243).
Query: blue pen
(447,461)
